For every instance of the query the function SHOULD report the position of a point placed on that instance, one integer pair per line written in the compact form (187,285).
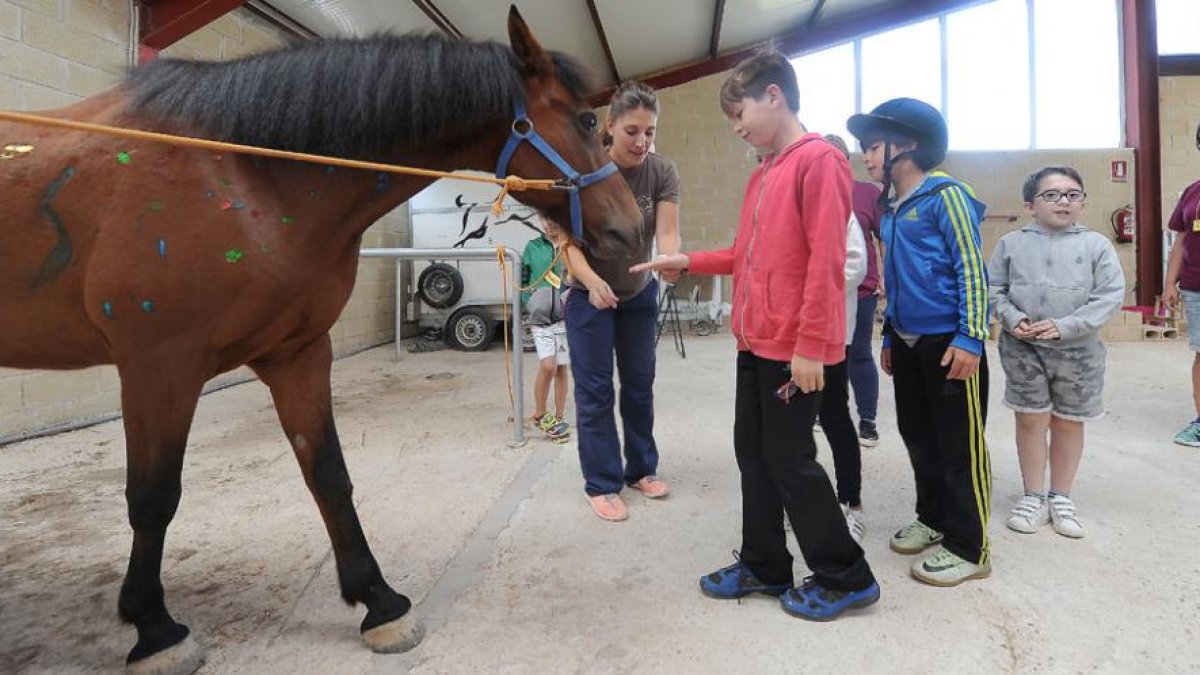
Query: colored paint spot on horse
(312,193)
(107,308)
(210,194)
(330,169)
(123,157)
(382,183)
(226,205)
(225,182)
(254,213)
(156,205)
(233,255)
(60,256)
(287,220)
(239,205)
(148,306)
(162,248)
(216,158)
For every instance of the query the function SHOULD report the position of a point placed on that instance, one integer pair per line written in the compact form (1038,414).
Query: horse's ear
(527,48)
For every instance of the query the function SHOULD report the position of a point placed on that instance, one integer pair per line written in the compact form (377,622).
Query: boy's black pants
(841,434)
(776,454)
(942,423)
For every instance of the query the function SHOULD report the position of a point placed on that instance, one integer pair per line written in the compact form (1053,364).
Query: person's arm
(825,191)
(856,255)
(1174,266)
(998,289)
(959,225)
(600,294)
(1104,300)
(666,218)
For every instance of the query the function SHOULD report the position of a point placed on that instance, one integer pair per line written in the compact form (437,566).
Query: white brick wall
(56,52)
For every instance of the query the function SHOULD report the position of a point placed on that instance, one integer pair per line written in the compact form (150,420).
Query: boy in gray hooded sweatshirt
(1053,284)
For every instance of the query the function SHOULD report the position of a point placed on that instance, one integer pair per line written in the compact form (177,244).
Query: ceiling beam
(162,23)
(714,42)
(608,55)
(816,15)
(807,40)
(267,12)
(439,19)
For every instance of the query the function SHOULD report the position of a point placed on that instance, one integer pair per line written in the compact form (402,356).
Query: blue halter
(573,181)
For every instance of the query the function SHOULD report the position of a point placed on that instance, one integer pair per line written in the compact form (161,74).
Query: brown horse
(179,264)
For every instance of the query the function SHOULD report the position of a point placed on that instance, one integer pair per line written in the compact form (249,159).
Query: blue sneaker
(1190,436)
(814,602)
(737,581)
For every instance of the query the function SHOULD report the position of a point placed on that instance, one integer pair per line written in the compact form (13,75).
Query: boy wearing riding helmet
(933,336)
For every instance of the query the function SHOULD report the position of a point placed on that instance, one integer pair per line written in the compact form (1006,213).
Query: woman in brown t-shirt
(618,315)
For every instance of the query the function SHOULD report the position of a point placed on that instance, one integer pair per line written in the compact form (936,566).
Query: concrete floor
(512,573)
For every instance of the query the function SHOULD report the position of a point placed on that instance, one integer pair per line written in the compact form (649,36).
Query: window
(1178,26)
(827,90)
(987,98)
(1077,81)
(903,62)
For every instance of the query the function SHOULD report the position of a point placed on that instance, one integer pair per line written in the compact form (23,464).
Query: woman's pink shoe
(652,487)
(609,507)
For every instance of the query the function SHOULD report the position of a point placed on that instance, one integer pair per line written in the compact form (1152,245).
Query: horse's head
(557,108)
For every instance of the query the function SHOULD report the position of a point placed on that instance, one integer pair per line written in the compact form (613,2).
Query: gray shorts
(1191,309)
(1067,382)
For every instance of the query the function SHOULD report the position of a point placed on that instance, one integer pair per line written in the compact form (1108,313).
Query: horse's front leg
(157,412)
(300,385)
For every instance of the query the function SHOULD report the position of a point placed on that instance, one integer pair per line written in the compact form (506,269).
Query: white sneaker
(1029,514)
(855,522)
(1062,515)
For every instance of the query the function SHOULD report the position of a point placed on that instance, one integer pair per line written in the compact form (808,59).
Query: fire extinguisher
(1124,223)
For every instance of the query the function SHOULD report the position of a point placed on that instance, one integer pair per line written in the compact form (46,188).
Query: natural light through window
(1178,26)
(1077,80)
(903,62)
(987,98)
(826,81)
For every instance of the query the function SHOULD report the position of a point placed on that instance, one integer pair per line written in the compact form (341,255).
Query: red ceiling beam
(812,39)
(438,18)
(1141,134)
(165,22)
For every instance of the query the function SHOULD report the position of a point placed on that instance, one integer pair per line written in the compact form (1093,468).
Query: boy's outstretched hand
(664,263)
(963,364)
(808,374)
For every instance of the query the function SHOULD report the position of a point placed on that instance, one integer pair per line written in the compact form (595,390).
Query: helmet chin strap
(888,162)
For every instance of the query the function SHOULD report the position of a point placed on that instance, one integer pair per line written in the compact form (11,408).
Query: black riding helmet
(906,117)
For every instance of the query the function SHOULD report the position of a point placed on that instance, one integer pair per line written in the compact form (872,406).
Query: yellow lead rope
(508,184)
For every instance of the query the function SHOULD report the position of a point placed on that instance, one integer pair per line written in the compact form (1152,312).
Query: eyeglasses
(1054,196)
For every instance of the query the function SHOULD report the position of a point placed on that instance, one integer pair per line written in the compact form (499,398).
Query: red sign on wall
(1120,171)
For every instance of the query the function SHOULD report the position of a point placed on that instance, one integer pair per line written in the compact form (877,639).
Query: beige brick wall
(714,164)
(55,52)
(1179,105)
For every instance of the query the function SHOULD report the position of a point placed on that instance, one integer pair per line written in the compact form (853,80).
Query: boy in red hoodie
(787,263)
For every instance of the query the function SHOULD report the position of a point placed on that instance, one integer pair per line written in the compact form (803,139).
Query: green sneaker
(555,428)
(914,538)
(1190,436)
(943,568)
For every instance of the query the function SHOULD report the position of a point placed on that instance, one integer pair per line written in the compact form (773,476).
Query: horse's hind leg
(157,412)
(300,386)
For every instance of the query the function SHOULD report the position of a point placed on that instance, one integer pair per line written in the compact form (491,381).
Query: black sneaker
(868,435)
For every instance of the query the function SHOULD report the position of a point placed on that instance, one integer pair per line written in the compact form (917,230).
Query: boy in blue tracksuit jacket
(934,332)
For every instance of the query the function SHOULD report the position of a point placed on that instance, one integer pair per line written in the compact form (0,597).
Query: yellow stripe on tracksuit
(976,286)
(981,465)
(976,292)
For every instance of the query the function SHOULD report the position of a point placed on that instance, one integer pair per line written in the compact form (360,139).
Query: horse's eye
(589,121)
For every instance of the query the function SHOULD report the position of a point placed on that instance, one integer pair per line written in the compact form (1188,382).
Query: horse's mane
(354,98)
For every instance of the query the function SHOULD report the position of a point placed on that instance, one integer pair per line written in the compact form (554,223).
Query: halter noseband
(572,182)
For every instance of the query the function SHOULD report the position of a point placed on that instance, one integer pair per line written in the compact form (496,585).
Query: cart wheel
(470,329)
(703,327)
(440,285)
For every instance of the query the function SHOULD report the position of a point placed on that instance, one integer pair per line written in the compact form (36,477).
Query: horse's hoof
(179,659)
(396,636)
